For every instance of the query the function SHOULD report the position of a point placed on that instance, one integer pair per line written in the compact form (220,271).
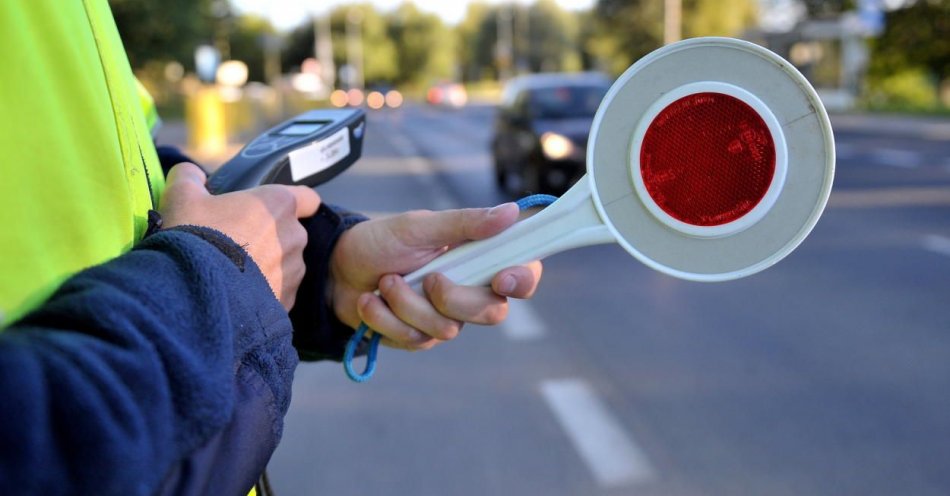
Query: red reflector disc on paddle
(707,159)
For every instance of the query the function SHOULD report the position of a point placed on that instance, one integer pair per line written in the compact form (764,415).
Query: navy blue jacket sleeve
(167,369)
(170,156)
(318,333)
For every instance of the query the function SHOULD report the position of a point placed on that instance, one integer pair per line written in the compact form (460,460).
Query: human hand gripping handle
(372,254)
(263,220)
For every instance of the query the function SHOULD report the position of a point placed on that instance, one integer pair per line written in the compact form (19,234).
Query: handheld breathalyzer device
(308,150)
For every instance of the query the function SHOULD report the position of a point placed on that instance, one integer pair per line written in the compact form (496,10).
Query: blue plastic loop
(354,342)
(350,353)
(536,201)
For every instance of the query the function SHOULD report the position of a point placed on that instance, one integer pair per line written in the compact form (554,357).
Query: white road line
(896,158)
(424,169)
(523,323)
(610,454)
(937,244)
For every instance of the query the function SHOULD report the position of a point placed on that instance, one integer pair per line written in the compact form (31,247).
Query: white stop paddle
(709,160)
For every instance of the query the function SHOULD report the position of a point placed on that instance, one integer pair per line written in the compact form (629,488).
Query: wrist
(340,295)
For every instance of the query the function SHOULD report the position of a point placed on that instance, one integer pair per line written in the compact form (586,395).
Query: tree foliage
(551,34)
(625,30)
(168,29)
(425,47)
(718,17)
(411,46)
(247,39)
(916,36)
(544,37)
(380,57)
(478,41)
(824,8)
(471,37)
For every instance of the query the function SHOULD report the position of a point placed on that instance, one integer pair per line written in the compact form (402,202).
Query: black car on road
(541,130)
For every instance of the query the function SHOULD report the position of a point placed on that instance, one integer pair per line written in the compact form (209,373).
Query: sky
(777,15)
(286,14)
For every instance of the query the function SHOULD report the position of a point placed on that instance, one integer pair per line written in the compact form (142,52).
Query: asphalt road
(827,374)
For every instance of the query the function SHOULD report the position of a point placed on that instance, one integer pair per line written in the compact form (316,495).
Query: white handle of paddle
(570,222)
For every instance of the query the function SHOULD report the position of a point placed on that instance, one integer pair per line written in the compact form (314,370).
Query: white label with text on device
(319,156)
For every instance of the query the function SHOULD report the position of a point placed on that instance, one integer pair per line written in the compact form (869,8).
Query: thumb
(187,173)
(455,226)
(308,201)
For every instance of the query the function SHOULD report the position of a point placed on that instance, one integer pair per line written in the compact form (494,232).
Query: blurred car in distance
(539,143)
(452,95)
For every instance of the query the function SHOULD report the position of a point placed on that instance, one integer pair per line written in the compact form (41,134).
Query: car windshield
(566,102)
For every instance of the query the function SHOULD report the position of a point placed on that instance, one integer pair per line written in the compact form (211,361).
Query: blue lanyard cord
(350,352)
(354,342)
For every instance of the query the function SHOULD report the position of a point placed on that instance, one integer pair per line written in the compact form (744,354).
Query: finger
(448,227)
(187,172)
(374,312)
(185,183)
(478,305)
(415,310)
(518,282)
(308,201)
(428,345)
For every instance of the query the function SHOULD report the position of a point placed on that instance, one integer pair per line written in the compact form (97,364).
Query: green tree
(917,36)
(380,59)
(474,61)
(162,30)
(718,17)
(910,61)
(545,38)
(625,30)
(425,46)
(552,35)
(478,40)
(247,43)
(825,8)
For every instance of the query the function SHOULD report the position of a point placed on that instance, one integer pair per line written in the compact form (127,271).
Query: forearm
(130,367)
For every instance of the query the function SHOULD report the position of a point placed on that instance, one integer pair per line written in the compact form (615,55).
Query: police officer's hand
(263,220)
(372,254)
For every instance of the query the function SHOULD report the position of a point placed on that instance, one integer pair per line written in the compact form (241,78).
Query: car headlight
(555,146)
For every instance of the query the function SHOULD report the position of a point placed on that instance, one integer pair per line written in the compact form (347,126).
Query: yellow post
(205,117)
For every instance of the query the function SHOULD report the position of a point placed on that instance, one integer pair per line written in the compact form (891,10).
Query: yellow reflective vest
(79,169)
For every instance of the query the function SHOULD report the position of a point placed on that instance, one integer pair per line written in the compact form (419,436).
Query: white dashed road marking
(937,244)
(896,158)
(611,455)
(523,323)
(425,171)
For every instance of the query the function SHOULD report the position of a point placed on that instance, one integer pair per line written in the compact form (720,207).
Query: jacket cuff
(170,156)
(318,333)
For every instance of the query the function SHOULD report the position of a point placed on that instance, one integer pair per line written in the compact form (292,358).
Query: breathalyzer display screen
(708,159)
(301,128)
